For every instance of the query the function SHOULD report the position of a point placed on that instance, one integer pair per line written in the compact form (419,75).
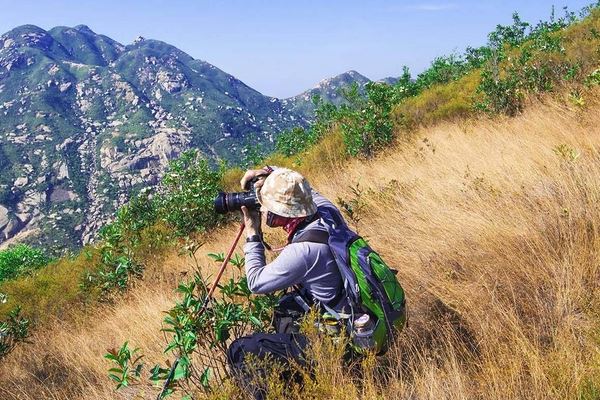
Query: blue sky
(282,48)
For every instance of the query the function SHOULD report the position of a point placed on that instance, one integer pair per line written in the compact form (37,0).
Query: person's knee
(239,348)
(235,354)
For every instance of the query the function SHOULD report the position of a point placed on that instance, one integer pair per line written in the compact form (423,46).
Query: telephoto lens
(228,202)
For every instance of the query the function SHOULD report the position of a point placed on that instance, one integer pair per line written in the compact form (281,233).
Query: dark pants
(267,349)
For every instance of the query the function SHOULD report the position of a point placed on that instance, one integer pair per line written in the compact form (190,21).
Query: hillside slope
(495,228)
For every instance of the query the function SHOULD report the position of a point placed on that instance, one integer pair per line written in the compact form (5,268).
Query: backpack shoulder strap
(313,236)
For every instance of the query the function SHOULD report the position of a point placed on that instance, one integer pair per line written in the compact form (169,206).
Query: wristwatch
(254,238)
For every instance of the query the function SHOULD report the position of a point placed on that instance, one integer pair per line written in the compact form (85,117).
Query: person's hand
(251,221)
(253,173)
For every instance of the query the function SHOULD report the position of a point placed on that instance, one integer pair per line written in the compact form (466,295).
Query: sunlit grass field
(495,229)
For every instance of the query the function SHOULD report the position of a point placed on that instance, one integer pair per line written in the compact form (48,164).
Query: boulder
(21,181)
(63,171)
(11,229)
(3,217)
(24,217)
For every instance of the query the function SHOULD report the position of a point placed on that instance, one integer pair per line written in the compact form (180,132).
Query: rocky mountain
(328,90)
(85,120)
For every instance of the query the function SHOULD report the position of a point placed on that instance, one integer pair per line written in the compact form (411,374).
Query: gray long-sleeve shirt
(306,263)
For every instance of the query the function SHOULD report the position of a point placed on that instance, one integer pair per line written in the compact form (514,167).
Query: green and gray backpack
(370,286)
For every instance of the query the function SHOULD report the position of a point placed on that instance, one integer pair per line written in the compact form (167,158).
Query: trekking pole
(206,301)
(220,274)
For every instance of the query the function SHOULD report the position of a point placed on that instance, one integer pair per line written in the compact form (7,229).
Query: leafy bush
(19,260)
(201,332)
(525,59)
(447,69)
(13,330)
(127,369)
(138,214)
(184,201)
(366,122)
(299,139)
(119,239)
(252,155)
(187,193)
(295,141)
(593,78)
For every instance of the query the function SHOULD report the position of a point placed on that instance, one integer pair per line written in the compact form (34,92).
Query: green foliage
(366,122)
(501,95)
(119,240)
(117,271)
(364,119)
(593,78)
(295,141)
(201,329)
(446,69)
(524,60)
(227,316)
(138,214)
(184,201)
(13,330)
(510,35)
(187,193)
(299,139)
(21,259)
(252,155)
(128,366)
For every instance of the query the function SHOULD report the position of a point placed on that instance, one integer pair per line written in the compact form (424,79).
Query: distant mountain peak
(343,79)
(139,39)
(84,28)
(27,28)
(27,36)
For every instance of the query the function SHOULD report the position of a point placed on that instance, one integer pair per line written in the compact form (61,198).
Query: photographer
(306,264)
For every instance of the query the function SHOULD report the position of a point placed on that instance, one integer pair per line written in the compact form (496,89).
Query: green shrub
(252,154)
(184,202)
(366,123)
(119,242)
(139,213)
(200,332)
(299,139)
(13,330)
(187,193)
(525,60)
(21,259)
(295,140)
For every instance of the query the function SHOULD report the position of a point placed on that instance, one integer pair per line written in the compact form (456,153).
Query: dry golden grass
(495,228)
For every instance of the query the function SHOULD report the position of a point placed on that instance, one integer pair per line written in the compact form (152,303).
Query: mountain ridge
(88,120)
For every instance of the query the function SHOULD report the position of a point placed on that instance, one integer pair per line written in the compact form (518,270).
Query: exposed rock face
(12,228)
(3,217)
(87,121)
(21,181)
(171,82)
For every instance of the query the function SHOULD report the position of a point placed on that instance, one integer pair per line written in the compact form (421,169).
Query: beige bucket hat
(286,193)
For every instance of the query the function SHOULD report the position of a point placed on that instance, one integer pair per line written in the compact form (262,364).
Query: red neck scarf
(292,225)
(288,224)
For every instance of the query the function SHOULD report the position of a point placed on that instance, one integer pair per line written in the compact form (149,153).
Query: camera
(228,202)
